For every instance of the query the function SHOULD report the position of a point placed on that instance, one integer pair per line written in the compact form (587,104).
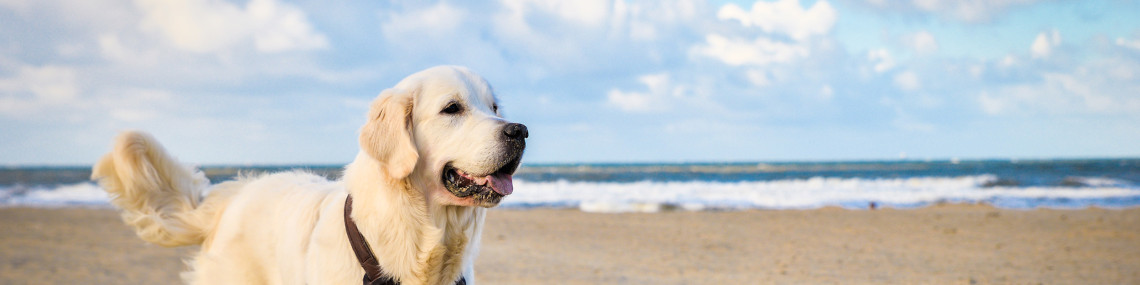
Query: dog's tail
(158,196)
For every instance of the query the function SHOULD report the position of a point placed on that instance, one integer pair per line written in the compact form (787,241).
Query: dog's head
(441,129)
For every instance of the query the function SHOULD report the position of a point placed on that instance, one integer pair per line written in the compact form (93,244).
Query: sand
(950,244)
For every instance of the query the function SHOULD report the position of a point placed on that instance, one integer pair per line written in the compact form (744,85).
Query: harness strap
(373,274)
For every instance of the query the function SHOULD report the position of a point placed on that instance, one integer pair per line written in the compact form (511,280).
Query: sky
(289,82)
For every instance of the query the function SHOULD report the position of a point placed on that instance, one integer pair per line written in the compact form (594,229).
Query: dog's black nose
(515,131)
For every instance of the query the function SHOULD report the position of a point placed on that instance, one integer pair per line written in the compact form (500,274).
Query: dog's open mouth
(487,189)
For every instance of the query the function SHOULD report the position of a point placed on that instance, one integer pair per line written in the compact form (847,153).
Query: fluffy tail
(157,195)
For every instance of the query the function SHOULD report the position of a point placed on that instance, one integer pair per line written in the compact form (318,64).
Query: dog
(435,153)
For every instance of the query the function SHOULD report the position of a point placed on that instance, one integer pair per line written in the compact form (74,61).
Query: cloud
(585,12)
(826,93)
(907,81)
(881,59)
(35,89)
(968,11)
(661,91)
(921,42)
(1008,61)
(1132,44)
(207,26)
(637,20)
(52,93)
(761,51)
(757,77)
(137,105)
(18,5)
(280,27)
(437,20)
(1044,43)
(613,75)
(632,101)
(570,35)
(784,17)
(549,30)
(994,105)
(1062,93)
(652,20)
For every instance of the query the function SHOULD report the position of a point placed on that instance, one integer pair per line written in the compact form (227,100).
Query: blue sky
(283,82)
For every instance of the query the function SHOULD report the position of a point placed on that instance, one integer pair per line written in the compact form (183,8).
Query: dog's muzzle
(488,189)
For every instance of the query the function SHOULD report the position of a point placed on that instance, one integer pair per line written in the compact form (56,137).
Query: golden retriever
(434,154)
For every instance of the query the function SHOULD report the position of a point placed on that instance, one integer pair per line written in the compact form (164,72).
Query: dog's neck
(414,241)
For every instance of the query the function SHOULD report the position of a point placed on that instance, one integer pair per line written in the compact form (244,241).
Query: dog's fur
(288,228)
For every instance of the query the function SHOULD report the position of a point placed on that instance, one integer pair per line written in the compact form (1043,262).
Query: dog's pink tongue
(502,183)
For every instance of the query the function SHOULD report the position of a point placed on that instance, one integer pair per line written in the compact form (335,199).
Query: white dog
(433,155)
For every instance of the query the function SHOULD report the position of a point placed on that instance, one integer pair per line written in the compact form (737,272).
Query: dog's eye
(452,109)
(495,108)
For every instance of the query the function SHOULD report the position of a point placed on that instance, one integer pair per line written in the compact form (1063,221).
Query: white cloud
(1044,43)
(631,101)
(1040,47)
(922,42)
(138,105)
(197,26)
(977,71)
(206,26)
(48,93)
(1088,93)
(15,4)
(789,30)
(969,11)
(564,33)
(1060,93)
(439,20)
(1132,44)
(761,51)
(514,23)
(660,92)
(826,93)
(1120,72)
(907,81)
(281,27)
(651,20)
(995,105)
(785,17)
(881,59)
(111,47)
(35,88)
(759,78)
(1008,61)
(668,61)
(585,12)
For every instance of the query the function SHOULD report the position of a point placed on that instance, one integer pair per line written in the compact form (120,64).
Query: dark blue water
(1072,173)
(1009,184)
(1010,173)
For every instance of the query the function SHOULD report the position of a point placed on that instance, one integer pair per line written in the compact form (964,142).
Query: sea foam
(79,194)
(810,193)
(658,196)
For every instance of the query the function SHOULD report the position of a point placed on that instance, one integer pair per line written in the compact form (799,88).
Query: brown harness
(373,274)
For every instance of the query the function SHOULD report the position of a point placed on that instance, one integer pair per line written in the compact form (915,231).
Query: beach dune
(942,244)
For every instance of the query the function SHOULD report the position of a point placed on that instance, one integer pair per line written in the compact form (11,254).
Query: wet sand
(951,244)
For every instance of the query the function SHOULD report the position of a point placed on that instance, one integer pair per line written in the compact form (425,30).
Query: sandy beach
(948,244)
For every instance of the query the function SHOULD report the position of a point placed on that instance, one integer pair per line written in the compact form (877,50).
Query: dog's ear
(387,136)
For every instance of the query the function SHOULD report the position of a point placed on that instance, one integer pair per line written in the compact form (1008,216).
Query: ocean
(1011,184)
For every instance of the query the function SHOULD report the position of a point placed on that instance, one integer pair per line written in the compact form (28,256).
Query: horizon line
(633,162)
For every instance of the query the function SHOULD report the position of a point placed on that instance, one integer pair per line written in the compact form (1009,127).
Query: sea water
(1025,184)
